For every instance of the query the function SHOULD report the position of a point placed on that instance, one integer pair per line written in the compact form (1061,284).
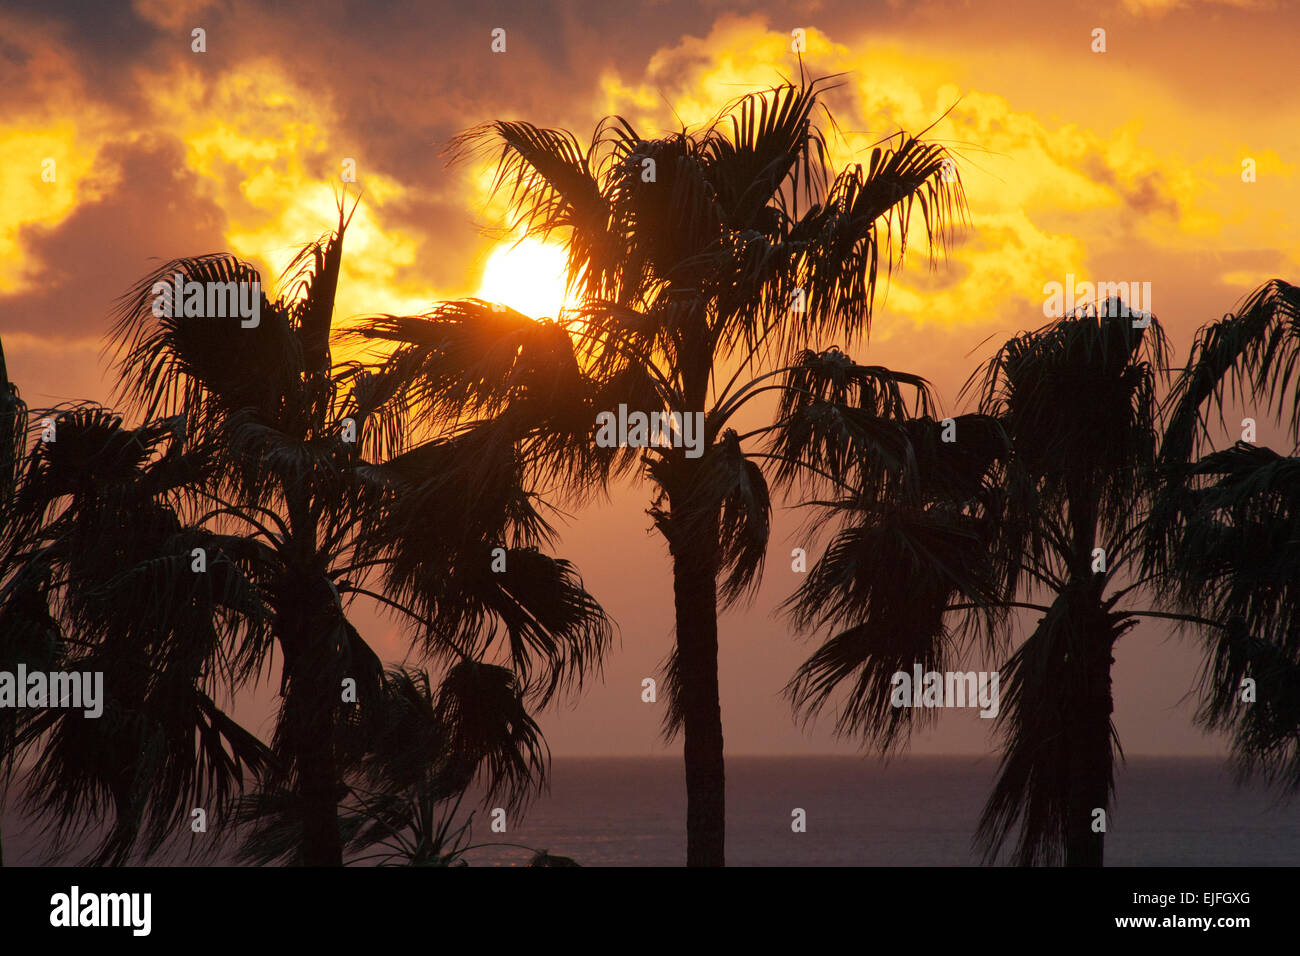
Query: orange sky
(1123,165)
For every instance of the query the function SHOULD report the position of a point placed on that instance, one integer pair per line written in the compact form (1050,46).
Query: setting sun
(527,276)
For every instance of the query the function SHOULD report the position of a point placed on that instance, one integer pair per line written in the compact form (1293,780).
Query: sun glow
(528,276)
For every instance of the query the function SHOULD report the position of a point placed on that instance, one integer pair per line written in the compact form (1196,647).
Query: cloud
(172,15)
(146,206)
(1161,7)
(265,124)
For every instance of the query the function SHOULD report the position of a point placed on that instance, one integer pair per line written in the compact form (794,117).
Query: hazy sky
(1122,165)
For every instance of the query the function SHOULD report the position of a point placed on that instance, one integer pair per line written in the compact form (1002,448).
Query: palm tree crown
(705,263)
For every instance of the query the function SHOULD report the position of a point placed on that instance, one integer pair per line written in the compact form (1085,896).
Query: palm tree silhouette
(705,261)
(1040,503)
(96,578)
(13,442)
(410,768)
(1224,533)
(296,481)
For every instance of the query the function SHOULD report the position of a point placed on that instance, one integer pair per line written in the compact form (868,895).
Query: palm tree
(287,487)
(705,263)
(13,435)
(411,768)
(1224,534)
(95,577)
(127,763)
(1040,503)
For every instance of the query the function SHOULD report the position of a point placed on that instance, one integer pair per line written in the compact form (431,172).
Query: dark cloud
(403,79)
(1146,193)
(105,40)
(83,264)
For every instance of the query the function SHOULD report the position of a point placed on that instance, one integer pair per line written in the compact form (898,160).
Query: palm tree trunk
(312,697)
(309,732)
(312,690)
(695,569)
(321,843)
(1091,760)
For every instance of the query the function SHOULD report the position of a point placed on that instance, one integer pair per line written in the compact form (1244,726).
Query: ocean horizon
(912,811)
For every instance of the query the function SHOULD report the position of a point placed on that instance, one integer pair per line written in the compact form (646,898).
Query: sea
(911,811)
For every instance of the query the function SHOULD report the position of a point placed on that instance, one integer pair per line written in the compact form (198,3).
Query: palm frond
(884,586)
(1251,353)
